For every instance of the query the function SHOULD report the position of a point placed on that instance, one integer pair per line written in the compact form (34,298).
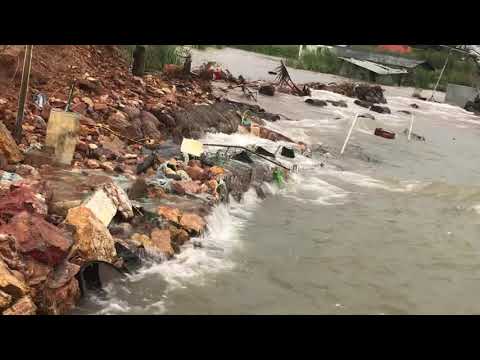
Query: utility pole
(27,66)
(441,74)
(300,49)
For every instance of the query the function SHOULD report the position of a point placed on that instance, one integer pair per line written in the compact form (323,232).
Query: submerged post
(27,65)
(349,134)
(410,129)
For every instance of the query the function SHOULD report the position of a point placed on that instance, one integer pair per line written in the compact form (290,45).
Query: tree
(139,57)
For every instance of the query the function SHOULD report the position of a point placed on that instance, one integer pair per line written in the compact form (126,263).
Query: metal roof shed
(374,67)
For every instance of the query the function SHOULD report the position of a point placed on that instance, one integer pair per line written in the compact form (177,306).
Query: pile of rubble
(106,94)
(365,92)
(54,223)
(62,206)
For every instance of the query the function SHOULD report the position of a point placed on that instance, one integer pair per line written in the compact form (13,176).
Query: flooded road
(390,227)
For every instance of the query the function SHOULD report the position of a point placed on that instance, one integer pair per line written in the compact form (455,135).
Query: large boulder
(92,238)
(370,93)
(170,214)
(192,223)
(162,242)
(5,300)
(316,102)
(20,199)
(9,284)
(62,289)
(118,121)
(24,306)
(183,187)
(120,199)
(151,126)
(8,146)
(39,239)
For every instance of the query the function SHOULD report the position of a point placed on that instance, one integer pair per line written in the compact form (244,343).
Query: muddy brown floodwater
(391,227)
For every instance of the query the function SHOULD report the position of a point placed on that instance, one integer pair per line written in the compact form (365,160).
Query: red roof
(401,49)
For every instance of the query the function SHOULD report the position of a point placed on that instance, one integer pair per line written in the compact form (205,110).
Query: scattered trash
(40,100)
(246,121)
(243,157)
(191,147)
(62,134)
(284,78)
(7,177)
(385,134)
(278,177)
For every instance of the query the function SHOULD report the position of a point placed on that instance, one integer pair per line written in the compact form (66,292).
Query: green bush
(156,55)
(320,60)
(424,78)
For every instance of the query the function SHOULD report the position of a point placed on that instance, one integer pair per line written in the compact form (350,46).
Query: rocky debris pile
(373,107)
(106,94)
(321,103)
(473,106)
(57,220)
(364,92)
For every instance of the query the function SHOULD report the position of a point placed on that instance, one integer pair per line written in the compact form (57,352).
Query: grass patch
(205,47)
(320,60)
(285,51)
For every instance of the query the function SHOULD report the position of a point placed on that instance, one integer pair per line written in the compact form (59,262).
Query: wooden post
(300,49)
(410,129)
(27,65)
(349,134)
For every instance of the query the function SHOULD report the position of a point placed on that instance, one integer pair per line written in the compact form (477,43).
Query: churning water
(390,227)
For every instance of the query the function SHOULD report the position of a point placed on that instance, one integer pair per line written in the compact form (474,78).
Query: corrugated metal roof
(378,57)
(374,67)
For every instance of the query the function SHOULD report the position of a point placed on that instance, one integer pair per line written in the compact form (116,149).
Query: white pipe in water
(349,134)
(410,129)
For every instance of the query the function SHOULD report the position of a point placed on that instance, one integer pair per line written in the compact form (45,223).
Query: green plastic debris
(246,121)
(278,177)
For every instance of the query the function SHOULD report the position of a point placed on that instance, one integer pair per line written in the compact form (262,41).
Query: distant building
(399,49)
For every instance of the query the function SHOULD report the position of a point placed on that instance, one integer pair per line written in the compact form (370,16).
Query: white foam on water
(311,189)
(476,208)
(221,238)
(370,182)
